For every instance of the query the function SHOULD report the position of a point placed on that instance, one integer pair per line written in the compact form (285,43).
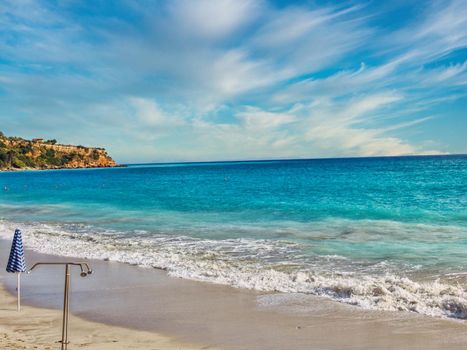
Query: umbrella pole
(18,288)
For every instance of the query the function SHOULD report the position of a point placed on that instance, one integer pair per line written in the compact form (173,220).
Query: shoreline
(415,292)
(148,300)
(62,168)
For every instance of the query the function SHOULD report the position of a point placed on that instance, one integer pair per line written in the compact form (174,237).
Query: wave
(264,265)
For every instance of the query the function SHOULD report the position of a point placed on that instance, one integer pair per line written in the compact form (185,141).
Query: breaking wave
(265,265)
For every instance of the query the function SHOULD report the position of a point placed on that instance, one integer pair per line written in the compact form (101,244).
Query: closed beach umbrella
(16,262)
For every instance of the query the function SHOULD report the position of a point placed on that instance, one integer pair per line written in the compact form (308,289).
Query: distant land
(20,154)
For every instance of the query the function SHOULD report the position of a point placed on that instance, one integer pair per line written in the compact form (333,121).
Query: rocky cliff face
(17,153)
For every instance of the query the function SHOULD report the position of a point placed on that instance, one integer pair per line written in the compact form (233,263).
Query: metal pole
(85,271)
(18,288)
(66,308)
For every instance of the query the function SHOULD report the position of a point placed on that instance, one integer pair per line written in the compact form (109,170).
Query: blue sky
(231,79)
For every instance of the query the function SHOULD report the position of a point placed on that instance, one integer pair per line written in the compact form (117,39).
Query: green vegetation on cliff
(17,153)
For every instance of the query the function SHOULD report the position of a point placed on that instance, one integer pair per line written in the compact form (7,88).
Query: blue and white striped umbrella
(16,262)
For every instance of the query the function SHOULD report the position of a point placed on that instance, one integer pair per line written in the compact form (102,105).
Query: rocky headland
(17,154)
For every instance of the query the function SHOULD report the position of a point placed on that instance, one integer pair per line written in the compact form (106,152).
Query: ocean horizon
(381,233)
(249,160)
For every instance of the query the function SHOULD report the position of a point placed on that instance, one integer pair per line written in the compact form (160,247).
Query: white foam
(265,265)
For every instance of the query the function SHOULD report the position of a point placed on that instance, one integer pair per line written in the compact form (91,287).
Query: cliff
(17,153)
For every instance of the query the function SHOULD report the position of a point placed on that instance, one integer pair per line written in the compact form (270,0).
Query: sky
(161,81)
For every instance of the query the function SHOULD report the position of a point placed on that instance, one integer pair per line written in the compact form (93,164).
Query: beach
(38,328)
(141,306)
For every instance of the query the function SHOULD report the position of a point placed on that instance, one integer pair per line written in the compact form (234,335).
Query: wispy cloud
(211,20)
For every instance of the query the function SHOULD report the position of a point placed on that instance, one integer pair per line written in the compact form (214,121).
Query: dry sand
(37,328)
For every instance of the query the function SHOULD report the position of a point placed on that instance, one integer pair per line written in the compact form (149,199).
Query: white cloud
(367,104)
(213,19)
(289,26)
(234,73)
(440,30)
(255,118)
(347,128)
(308,40)
(454,74)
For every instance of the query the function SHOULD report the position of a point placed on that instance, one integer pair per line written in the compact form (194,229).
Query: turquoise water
(312,226)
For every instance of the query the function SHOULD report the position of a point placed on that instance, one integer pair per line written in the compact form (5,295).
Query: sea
(385,233)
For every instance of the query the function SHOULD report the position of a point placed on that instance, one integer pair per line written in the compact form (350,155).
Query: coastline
(14,170)
(148,300)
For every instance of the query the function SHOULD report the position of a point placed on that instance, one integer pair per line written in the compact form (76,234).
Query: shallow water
(382,233)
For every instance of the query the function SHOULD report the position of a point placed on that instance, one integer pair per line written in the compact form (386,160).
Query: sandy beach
(123,306)
(38,328)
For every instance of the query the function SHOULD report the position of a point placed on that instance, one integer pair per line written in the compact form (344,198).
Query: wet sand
(37,328)
(224,317)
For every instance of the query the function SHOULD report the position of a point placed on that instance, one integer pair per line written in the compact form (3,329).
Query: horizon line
(299,159)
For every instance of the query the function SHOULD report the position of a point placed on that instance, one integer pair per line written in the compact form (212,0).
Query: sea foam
(265,265)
